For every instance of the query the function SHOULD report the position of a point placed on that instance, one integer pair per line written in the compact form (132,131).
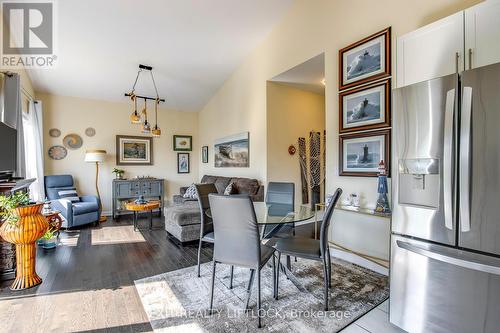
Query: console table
(125,190)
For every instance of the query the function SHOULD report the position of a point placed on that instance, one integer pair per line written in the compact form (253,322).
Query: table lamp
(97,156)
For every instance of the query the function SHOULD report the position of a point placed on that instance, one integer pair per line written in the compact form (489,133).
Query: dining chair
(313,249)
(237,241)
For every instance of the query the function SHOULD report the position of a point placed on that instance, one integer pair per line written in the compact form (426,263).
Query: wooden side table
(137,208)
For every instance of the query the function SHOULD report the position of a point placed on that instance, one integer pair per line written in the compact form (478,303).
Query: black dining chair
(237,241)
(313,249)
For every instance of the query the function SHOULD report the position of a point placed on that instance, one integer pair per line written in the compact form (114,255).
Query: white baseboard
(355,259)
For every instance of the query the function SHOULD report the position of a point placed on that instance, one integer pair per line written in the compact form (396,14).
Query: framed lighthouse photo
(361,153)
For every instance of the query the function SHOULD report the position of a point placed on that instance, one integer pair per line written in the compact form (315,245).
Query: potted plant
(118,173)
(49,239)
(23,223)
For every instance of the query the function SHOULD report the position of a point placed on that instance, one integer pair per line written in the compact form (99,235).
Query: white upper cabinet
(482,34)
(431,51)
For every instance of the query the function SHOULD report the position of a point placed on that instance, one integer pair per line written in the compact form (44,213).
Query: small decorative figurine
(141,200)
(47,208)
(382,201)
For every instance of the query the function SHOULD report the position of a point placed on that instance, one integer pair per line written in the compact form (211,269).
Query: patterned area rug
(178,301)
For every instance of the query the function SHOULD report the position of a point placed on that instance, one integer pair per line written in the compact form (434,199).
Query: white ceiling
(306,76)
(193,46)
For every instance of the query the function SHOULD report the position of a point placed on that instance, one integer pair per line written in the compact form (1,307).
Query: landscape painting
(133,150)
(361,153)
(232,151)
(365,108)
(365,60)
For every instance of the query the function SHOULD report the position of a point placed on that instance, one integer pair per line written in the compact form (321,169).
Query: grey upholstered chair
(311,248)
(237,240)
(206,227)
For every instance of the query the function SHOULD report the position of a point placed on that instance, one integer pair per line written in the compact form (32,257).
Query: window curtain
(13,116)
(33,141)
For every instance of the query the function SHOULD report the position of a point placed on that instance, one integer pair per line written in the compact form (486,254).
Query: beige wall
(291,113)
(74,115)
(308,29)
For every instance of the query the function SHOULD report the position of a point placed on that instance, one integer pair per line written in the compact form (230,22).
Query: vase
(31,226)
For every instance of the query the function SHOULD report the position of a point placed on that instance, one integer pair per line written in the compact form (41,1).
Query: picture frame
(183,163)
(366,107)
(366,60)
(204,154)
(134,150)
(232,151)
(361,153)
(183,143)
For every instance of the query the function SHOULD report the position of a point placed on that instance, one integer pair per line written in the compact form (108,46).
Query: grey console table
(125,190)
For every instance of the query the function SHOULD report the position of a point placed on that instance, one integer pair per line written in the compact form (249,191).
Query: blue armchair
(87,210)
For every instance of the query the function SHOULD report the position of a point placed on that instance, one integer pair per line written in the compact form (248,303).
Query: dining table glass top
(280,213)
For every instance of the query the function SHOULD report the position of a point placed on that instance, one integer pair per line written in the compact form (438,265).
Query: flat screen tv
(8,148)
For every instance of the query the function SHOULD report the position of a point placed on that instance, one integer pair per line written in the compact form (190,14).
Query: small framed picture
(364,108)
(182,162)
(204,154)
(183,143)
(366,60)
(361,153)
(134,150)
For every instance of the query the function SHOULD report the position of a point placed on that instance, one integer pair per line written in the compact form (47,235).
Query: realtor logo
(28,34)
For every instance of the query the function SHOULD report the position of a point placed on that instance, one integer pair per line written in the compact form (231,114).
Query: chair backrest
(202,192)
(56,183)
(323,236)
(280,198)
(236,232)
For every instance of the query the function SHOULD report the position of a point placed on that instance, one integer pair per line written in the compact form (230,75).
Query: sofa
(85,211)
(182,219)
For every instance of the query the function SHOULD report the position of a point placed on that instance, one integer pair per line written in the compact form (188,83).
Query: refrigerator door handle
(451,257)
(465,135)
(448,158)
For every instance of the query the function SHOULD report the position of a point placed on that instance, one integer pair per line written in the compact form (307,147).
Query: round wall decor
(57,152)
(90,131)
(292,150)
(72,141)
(54,132)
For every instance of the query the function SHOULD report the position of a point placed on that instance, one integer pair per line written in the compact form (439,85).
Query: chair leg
(258,298)
(212,289)
(329,263)
(249,289)
(325,278)
(274,277)
(278,275)
(231,279)
(199,257)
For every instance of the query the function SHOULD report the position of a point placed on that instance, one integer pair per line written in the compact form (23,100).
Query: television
(8,150)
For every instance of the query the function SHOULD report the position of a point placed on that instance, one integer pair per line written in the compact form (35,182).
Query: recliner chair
(86,211)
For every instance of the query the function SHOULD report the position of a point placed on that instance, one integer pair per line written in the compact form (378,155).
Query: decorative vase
(50,243)
(31,226)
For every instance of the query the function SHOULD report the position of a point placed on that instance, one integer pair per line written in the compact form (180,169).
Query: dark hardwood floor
(88,280)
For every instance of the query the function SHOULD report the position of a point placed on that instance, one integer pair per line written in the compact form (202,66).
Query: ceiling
(193,46)
(306,76)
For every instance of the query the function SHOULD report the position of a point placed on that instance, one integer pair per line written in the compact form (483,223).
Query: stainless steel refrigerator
(445,242)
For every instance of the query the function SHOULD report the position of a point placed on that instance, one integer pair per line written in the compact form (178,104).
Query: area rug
(178,301)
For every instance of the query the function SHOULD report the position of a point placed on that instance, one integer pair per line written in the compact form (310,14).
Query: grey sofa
(182,220)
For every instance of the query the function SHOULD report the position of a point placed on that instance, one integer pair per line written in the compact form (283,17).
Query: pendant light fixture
(156,131)
(142,118)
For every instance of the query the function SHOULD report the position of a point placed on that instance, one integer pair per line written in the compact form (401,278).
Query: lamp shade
(95,155)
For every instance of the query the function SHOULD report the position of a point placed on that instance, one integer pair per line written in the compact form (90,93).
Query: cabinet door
(123,190)
(155,189)
(432,51)
(482,34)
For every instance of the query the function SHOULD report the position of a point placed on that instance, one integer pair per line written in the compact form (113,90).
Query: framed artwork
(366,60)
(182,162)
(134,150)
(204,154)
(361,153)
(364,108)
(183,143)
(232,151)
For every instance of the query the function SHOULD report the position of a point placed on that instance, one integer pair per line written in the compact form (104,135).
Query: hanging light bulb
(156,130)
(146,127)
(134,117)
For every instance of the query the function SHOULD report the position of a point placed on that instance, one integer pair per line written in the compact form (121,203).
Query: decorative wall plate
(72,141)
(54,132)
(57,152)
(90,131)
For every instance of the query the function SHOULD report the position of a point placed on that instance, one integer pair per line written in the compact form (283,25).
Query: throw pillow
(70,195)
(190,192)
(230,189)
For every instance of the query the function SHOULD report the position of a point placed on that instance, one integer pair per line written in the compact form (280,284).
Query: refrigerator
(445,232)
